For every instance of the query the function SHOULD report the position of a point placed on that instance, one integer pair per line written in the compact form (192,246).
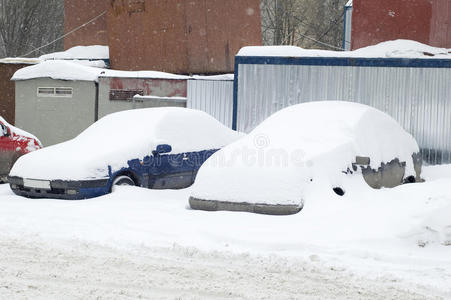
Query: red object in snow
(14,143)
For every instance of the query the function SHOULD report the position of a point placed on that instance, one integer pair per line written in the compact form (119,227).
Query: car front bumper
(61,189)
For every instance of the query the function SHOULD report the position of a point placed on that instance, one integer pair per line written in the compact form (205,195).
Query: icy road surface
(388,243)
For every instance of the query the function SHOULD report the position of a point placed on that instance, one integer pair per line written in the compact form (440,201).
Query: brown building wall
(78,12)
(7,91)
(181,36)
(425,21)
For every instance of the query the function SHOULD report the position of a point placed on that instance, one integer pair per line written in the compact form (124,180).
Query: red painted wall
(151,87)
(425,21)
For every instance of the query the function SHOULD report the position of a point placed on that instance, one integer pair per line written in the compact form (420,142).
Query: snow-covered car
(307,147)
(159,148)
(14,143)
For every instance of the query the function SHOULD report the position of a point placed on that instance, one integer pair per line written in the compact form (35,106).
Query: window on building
(124,95)
(66,92)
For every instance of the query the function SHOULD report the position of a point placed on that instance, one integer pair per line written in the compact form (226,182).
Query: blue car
(157,148)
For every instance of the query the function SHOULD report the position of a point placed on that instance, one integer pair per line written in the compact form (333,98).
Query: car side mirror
(161,149)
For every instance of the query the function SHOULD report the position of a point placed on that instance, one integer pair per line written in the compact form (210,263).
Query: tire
(123,180)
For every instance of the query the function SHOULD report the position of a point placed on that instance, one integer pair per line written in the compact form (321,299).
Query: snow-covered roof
(58,69)
(92,70)
(223,77)
(142,74)
(19,60)
(83,70)
(95,52)
(389,49)
(349,3)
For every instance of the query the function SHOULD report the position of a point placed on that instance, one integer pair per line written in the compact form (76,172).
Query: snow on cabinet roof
(388,49)
(58,69)
(79,70)
(80,52)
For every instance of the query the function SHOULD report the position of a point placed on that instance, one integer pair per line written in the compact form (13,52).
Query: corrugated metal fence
(212,96)
(417,93)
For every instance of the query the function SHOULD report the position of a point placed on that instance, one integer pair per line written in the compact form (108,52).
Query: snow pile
(120,137)
(388,49)
(366,232)
(95,52)
(436,227)
(58,69)
(299,147)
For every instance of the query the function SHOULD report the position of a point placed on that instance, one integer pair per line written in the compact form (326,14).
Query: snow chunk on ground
(302,146)
(388,49)
(95,52)
(119,137)
(58,69)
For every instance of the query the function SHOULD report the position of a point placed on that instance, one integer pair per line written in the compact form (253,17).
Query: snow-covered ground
(387,243)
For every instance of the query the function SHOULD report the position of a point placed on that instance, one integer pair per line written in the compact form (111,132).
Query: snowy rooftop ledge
(389,49)
(76,70)
(19,60)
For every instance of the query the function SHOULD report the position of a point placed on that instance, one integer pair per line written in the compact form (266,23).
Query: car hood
(67,161)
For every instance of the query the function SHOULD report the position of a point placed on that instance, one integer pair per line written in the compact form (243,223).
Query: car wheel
(123,180)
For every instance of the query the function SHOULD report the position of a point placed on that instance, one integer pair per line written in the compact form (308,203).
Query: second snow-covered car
(159,148)
(307,152)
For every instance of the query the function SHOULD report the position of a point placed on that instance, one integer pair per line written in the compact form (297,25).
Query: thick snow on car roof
(122,136)
(302,145)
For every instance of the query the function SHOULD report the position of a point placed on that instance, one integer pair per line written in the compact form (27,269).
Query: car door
(171,171)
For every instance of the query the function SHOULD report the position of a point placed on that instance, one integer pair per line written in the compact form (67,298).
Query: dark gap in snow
(339,191)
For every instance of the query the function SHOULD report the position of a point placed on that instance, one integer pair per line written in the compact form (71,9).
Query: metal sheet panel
(212,96)
(418,98)
(347,28)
